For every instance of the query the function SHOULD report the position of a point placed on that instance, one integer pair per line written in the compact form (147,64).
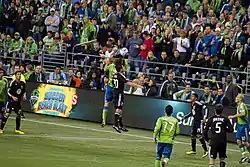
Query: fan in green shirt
(166,129)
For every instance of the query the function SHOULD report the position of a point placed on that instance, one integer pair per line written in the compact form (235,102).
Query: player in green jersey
(242,127)
(166,129)
(110,71)
(3,93)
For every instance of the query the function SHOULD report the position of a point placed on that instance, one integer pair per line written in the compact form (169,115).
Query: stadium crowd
(210,34)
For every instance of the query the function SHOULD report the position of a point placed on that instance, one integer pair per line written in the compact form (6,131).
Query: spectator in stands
(182,45)
(169,87)
(23,24)
(237,57)
(209,41)
(223,56)
(10,19)
(70,42)
(52,21)
(112,19)
(148,45)
(133,46)
(84,11)
(152,91)
(48,40)
(37,75)
(17,68)
(130,13)
(230,90)
(184,95)
(17,44)
(31,50)
(38,25)
(164,58)
(11,69)
(29,70)
(88,31)
(206,97)
(66,9)
(57,76)
(74,80)
(220,98)
(150,63)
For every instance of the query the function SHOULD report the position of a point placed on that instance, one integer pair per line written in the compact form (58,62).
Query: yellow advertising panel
(54,100)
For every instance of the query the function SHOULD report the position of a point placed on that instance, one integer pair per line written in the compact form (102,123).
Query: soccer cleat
(116,129)
(1,131)
(124,129)
(103,125)
(19,132)
(243,159)
(205,154)
(249,160)
(191,152)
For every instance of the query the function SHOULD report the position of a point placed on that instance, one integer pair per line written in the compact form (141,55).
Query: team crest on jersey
(18,91)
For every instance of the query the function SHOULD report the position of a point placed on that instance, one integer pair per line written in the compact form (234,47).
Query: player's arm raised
(132,84)
(157,129)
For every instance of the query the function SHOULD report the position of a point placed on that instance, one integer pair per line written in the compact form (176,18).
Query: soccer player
(110,71)
(219,126)
(16,92)
(242,127)
(3,93)
(119,81)
(166,129)
(198,122)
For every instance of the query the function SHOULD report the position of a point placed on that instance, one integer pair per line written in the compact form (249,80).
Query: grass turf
(56,142)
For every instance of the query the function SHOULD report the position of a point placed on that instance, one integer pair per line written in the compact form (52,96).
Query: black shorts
(197,129)
(218,148)
(13,106)
(118,100)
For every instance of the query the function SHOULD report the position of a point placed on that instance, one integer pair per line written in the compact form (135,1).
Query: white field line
(73,138)
(105,131)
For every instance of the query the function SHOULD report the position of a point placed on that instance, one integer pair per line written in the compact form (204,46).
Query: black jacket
(168,89)
(37,77)
(152,92)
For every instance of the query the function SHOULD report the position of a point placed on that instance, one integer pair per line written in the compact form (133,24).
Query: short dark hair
(195,95)
(218,109)
(17,72)
(169,110)
(118,68)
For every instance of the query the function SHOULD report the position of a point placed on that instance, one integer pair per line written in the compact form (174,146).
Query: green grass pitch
(56,142)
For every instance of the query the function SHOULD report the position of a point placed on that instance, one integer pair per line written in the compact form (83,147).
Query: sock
(120,121)
(117,117)
(248,148)
(18,122)
(211,165)
(4,120)
(157,163)
(222,164)
(104,114)
(203,144)
(193,140)
(242,149)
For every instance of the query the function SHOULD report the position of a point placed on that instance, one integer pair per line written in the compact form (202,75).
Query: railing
(190,73)
(50,58)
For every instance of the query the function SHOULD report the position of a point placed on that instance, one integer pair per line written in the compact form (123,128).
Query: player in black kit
(119,81)
(199,112)
(16,92)
(219,126)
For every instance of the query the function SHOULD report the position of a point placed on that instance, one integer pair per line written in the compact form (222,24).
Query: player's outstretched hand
(230,117)
(14,98)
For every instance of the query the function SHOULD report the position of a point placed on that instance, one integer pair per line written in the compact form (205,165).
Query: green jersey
(111,70)
(242,108)
(166,129)
(3,89)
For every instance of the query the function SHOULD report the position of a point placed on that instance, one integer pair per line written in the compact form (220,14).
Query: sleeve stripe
(11,83)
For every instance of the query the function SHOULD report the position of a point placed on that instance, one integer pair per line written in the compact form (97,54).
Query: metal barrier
(47,57)
(190,73)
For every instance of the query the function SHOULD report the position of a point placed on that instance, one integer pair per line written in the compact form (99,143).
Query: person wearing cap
(38,25)
(52,22)
(17,44)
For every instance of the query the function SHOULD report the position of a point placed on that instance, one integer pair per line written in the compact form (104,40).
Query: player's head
(18,75)
(194,97)
(105,79)
(168,110)
(119,68)
(1,72)
(218,109)
(239,98)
